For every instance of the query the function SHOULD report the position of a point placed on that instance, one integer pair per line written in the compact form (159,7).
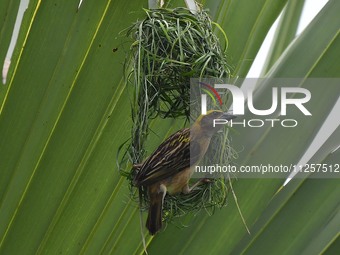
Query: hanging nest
(169,48)
(172,46)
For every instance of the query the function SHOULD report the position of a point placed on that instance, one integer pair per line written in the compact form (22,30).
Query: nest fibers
(170,47)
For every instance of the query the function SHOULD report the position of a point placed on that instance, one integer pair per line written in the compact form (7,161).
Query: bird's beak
(228,116)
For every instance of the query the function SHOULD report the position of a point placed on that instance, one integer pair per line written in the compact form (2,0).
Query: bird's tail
(154,221)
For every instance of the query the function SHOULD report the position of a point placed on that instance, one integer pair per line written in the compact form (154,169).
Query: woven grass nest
(170,47)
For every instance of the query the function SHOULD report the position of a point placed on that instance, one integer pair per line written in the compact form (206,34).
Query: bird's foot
(207,180)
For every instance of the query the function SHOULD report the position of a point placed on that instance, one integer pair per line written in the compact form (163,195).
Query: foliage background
(65,110)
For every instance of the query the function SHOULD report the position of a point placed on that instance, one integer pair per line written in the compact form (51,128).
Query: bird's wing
(171,157)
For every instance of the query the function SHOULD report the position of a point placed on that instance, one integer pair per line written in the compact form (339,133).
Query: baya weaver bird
(169,168)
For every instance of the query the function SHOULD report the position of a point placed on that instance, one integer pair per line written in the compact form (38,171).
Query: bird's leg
(162,189)
(187,190)
(136,167)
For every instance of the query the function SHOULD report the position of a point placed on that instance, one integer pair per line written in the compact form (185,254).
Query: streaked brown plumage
(170,166)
